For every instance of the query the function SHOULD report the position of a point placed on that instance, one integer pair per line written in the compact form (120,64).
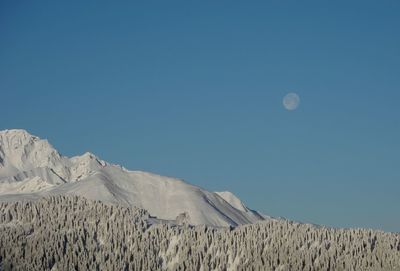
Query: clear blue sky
(193,89)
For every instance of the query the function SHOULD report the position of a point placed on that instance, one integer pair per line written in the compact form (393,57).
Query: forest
(73,233)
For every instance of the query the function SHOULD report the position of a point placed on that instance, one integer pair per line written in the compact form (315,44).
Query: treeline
(72,233)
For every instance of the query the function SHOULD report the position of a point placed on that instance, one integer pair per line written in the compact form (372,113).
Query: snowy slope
(31,168)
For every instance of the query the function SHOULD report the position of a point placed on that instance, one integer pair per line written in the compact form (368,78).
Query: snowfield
(31,168)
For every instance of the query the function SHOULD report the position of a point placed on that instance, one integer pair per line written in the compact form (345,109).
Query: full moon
(291,101)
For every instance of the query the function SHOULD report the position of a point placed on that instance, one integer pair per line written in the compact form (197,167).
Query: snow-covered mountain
(31,168)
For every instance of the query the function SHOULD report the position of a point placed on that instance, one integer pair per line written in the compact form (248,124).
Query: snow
(170,257)
(28,185)
(232,200)
(31,168)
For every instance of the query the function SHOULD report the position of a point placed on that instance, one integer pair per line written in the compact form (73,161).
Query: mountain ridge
(32,168)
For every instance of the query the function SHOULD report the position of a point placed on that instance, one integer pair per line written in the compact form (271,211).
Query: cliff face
(72,233)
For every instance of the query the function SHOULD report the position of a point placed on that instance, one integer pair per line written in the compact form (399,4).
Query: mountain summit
(31,168)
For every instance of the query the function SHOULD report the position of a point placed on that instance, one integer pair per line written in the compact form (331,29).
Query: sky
(194,89)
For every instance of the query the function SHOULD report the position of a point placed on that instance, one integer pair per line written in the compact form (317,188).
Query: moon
(291,101)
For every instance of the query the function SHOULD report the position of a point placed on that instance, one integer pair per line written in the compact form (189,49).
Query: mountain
(31,168)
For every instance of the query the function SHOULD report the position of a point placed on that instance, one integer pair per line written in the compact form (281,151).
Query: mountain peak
(21,151)
(17,137)
(30,165)
(14,132)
